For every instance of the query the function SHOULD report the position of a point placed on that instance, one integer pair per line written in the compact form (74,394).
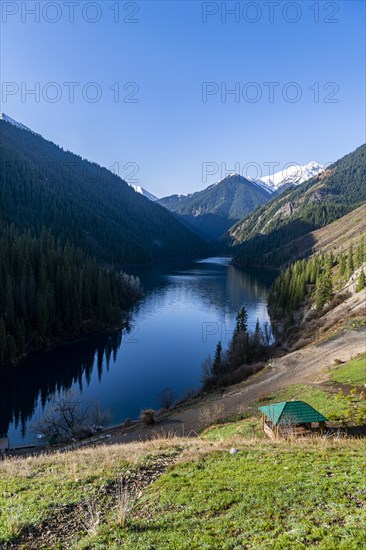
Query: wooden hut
(291,418)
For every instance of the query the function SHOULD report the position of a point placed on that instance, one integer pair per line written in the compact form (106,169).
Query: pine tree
(324,289)
(350,267)
(359,255)
(342,264)
(361,283)
(328,285)
(217,362)
(256,346)
(241,321)
(257,335)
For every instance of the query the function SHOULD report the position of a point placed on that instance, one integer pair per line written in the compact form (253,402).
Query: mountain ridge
(299,210)
(295,174)
(4,117)
(45,186)
(216,208)
(142,191)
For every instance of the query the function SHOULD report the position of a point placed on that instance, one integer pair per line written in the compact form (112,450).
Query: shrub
(147,417)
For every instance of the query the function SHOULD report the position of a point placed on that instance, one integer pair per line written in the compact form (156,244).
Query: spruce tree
(257,335)
(241,321)
(350,263)
(342,264)
(361,283)
(324,289)
(217,362)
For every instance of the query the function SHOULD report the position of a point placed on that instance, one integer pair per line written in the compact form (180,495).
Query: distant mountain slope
(296,212)
(42,185)
(144,192)
(332,238)
(215,209)
(13,122)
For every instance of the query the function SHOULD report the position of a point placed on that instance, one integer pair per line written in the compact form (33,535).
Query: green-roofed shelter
(290,417)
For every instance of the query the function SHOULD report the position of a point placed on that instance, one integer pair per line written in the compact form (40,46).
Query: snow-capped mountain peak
(145,193)
(13,122)
(294,174)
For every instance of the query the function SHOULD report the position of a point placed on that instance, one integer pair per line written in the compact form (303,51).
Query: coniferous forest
(51,292)
(41,185)
(64,223)
(314,280)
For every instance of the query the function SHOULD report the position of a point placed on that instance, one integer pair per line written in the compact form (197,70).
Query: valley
(182,275)
(126,371)
(172,320)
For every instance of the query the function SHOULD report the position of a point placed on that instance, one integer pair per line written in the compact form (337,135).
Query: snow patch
(145,193)
(13,122)
(294,174)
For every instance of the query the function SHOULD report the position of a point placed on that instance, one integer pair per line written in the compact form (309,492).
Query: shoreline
(302,366)
(64,342)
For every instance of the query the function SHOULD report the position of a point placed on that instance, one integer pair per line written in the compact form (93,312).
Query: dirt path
(308,365)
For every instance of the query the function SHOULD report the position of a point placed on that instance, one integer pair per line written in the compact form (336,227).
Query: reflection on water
(24,390)
(186,309)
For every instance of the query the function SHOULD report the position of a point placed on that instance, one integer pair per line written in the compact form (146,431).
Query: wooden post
(321,426)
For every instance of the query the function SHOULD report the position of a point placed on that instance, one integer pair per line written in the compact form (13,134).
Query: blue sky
(169,135)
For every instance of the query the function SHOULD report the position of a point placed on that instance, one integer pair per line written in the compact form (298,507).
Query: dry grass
(92,515)
(93,459)
(211,413)
(84,462)
(125,504)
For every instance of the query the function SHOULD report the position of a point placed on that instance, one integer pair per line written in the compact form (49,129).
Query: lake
(186,309)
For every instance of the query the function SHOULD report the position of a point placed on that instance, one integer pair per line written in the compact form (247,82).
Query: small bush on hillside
(147,417)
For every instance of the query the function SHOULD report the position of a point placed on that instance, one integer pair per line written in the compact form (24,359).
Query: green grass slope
(191,493)
(352,373)
(278,495)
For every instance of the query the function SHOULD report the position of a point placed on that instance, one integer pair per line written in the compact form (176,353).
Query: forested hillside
(41,185)
(214,209)
(64,223)
(50,292)
(331,238)
(297,212)
(309,284)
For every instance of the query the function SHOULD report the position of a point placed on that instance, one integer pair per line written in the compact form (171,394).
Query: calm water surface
(187,307)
